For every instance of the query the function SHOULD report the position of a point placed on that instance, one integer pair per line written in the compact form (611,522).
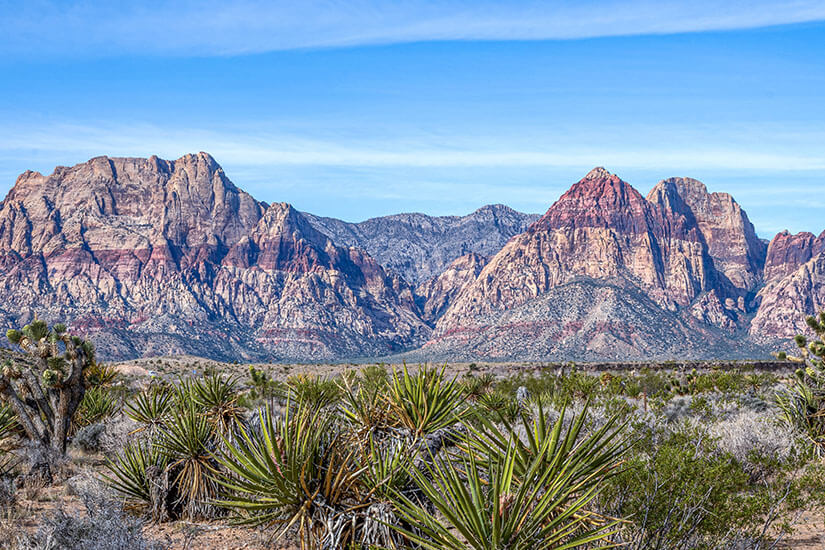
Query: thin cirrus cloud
(99,28)
(269,150)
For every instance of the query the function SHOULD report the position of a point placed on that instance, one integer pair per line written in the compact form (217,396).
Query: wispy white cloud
(776,181)
(211,27)
(294,150)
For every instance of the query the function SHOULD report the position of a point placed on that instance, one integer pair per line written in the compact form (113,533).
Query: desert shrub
(680,490)
(90,438)
(476,386)
(101,526)
(755,440)
(498,405)
(262,387)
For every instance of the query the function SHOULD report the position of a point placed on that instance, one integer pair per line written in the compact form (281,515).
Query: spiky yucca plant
(366,406)
(313,391)
(426,401)
(98,404)
(188,440)
(477,386)
(151,408)
(297,471)
(99,374)
(8,422)
(504,498)
(565,445)
(217,397)
(128,472)
(500,405)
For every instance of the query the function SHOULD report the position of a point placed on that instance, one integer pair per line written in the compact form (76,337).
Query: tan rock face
(154,256)
(601,228)
(785,301)
(738,254)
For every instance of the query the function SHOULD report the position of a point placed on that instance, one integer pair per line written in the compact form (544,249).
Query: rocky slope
(151,256)
(419,247)
(794,286)
(626,274)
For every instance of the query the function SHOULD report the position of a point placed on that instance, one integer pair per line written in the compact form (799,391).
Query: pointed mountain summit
(599,200)
(601,233)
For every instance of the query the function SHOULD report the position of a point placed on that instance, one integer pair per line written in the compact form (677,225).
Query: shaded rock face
(437,294)
(419,247)
(149,256)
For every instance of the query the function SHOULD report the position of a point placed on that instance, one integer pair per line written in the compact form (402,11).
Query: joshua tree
(803,405)
(46,387)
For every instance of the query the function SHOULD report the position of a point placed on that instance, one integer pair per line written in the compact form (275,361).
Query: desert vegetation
(395,457)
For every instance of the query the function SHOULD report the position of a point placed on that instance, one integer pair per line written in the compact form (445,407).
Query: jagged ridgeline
(152,257)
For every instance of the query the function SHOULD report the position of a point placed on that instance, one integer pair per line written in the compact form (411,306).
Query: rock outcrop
(787,253)
(794,286)
(685,255)
(737,253)
(600,229)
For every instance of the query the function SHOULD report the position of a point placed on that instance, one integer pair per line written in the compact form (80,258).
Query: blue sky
(358,109)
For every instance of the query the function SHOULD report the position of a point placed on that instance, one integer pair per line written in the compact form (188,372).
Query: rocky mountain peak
(787,252)
(600,199)
(738,253)
(599,173)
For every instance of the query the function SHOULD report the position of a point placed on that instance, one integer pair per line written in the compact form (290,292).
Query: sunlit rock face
(151,256)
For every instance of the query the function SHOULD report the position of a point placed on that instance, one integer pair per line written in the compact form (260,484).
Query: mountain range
(155,257)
